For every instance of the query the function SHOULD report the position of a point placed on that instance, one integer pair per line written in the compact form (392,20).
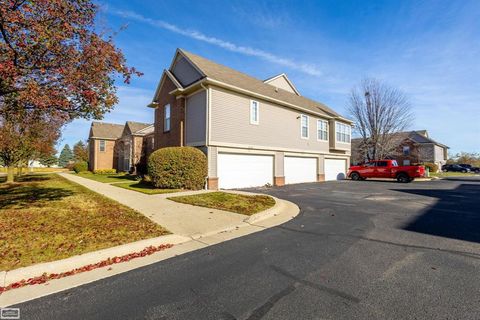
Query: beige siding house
(253,132)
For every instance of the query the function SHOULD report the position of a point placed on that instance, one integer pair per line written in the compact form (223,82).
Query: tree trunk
(10,170)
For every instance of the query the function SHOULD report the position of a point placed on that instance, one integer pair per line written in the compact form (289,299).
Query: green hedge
(80,166)
(105,171)
(178,168)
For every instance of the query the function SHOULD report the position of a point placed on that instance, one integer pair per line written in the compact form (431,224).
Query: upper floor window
(406,150)
(343,132)
(322,130)
(254,112)
(102,145)
(166,118)
(304,126)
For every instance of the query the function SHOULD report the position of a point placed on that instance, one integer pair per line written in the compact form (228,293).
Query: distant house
(253,132)
(101,145)
(124,147)
(411,147)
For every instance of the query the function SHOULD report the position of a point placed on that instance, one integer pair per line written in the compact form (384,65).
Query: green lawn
(238,203)
(46,217)
(144,187)
(107,178)
(450,174)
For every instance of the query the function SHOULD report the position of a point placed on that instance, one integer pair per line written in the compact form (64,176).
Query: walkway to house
(181,219)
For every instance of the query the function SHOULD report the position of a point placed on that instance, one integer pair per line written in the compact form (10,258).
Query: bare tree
(379,112)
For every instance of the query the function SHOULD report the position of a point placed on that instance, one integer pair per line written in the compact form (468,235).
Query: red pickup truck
(386,169)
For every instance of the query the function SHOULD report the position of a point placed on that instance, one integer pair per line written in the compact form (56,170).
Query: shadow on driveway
(456,214)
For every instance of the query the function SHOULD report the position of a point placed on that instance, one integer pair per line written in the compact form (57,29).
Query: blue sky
(428,49)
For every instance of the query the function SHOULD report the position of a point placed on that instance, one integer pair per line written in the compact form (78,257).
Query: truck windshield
(394,163)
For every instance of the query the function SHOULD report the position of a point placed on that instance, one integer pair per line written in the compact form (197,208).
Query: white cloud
(306,68)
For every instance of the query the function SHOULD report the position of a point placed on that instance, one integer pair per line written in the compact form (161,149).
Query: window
(166,118)
(394,163)
(254,112)
(322,130)
(406,162)
(102,145)
(406,150)
(343,132)
(382,164)
(304,126)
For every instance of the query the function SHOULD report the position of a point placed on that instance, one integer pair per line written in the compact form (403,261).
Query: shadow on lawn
(455,215)
(18,195)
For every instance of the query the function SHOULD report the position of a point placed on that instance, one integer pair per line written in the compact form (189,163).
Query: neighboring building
(134,145)
(412,147)
(122,147)
(101,145)
(253,132)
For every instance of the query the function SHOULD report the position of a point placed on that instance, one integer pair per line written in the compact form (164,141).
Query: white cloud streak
(306,68)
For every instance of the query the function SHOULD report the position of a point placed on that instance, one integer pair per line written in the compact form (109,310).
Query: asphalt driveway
(358,250)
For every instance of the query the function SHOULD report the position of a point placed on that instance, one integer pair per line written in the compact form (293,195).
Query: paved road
(358,250)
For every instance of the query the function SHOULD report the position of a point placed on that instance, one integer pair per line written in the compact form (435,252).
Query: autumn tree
(54,63)
(48,160)
(379,112)
(80,151)
(66,156)
(25,135)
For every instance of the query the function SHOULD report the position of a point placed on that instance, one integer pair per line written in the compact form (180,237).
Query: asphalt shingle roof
(137,126)
(106,130)
(233,77)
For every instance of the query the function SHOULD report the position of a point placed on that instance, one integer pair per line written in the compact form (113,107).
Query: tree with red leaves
(54,65)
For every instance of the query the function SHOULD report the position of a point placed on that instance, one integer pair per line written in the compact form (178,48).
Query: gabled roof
(243,81)
(282,77)
(134,127)
(102,130)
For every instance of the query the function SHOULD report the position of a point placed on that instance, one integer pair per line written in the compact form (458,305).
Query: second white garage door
(244,170)
(298,169)
(335,169)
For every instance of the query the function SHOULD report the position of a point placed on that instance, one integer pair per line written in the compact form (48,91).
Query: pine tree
(49,160)
(65,156)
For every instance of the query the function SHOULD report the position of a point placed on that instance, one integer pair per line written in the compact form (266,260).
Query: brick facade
(175,135)
(102,159)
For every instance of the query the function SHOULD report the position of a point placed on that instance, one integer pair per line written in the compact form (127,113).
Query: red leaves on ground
(46,277)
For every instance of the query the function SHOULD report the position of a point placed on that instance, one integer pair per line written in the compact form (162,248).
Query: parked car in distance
(454,168)
(470,167)
(386,169)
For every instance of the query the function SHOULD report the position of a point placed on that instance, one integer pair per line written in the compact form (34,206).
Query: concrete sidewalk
(193,227)
(180,219)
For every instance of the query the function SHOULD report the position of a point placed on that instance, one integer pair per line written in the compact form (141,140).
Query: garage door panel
(299,170)
(335,169)
(244,170)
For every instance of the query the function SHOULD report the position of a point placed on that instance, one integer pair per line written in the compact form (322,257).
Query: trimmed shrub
(432,167)
(178,168)
(105,171)
(80,166)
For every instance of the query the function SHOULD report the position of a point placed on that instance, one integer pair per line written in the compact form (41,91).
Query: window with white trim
(304,126)
(343,132)
(102,145)
(166,118)
(322,130)
(254,112)
(406,150)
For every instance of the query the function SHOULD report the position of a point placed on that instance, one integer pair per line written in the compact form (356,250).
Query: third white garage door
(298,169)
(335,169)
(244,170)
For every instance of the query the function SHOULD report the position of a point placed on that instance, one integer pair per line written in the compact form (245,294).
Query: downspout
(207,114)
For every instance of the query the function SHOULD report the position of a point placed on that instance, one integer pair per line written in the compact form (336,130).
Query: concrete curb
(68,264)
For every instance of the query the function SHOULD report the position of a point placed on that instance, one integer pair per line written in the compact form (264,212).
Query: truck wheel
(464,171)
(355,176)
(403,178)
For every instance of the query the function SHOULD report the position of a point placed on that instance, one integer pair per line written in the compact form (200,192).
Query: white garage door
(298,170)
(335,169)
(244,170)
